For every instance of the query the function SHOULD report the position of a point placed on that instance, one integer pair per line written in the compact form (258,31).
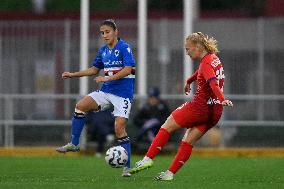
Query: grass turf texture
(91,172)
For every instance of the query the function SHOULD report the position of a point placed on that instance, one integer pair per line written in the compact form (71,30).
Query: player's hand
(227,103)
(100,79)
(187,89)
(66,75)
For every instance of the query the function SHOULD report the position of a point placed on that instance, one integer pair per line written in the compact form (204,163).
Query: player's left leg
(122,107)
(123,140)
(191,136)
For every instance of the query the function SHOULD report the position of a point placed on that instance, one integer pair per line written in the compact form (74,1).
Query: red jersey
(205,109)
(210,68)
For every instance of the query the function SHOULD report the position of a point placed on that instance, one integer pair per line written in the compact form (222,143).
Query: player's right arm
(97,66)
(191,79)
(87,72)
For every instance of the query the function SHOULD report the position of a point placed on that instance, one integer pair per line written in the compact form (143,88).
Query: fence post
(1,79)
(9,128)
(260,60)
(164,54)
(67,46)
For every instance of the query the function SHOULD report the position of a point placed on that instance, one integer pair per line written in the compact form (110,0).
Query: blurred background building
(39,39)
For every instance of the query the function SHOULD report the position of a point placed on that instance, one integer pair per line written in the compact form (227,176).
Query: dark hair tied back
(109,22)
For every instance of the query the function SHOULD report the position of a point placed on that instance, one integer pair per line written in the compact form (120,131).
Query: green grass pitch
(90,172)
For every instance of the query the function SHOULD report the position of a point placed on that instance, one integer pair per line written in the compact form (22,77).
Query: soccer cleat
(125,172)
(145,163)
(165,176)
(68,148)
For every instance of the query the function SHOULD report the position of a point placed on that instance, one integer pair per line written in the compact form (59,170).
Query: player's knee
(79,107)
(170,125)
(192,136)
(188,138)
(79,114)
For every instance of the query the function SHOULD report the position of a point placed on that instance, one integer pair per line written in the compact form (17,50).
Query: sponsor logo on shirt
(113,63)
(212,101)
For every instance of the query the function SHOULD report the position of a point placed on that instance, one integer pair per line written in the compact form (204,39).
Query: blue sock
(78,122)
(125,143)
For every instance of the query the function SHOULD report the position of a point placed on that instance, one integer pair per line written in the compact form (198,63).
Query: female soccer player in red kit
(198,115)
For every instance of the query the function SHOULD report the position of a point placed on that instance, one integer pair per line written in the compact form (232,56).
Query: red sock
(182,156)
(158,143)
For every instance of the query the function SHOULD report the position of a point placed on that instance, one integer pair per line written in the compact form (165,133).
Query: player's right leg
(78,121)
(158,143)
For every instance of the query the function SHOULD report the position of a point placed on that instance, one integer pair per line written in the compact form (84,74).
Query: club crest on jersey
(116,53)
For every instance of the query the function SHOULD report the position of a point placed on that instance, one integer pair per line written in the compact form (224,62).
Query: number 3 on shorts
(125,107)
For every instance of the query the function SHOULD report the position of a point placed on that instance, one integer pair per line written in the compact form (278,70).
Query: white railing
(9,123)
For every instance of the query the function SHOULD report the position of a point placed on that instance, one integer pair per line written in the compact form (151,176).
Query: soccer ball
(116,156)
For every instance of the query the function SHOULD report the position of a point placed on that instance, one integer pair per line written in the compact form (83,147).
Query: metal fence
(33,54)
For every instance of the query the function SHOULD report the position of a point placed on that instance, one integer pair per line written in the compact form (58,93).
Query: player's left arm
(122,73)
(210,76)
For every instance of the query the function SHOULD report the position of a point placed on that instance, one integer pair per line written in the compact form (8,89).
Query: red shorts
(190,115)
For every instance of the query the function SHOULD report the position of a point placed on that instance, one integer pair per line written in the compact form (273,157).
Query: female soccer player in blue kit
(117,61)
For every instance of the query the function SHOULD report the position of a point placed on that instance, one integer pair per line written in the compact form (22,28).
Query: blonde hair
(209,43)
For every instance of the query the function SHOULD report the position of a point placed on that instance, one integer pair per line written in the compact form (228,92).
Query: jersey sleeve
(210,76)
(128,58)
(216,90)
(207,72)
(98,61)
(192,78)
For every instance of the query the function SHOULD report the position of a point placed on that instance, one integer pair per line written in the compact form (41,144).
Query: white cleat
(143,164)
(126,172)
(68,148)
(165,176)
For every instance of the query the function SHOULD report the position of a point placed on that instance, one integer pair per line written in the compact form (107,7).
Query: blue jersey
(113,61)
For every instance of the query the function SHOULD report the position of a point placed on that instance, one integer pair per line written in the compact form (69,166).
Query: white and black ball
(116,156)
